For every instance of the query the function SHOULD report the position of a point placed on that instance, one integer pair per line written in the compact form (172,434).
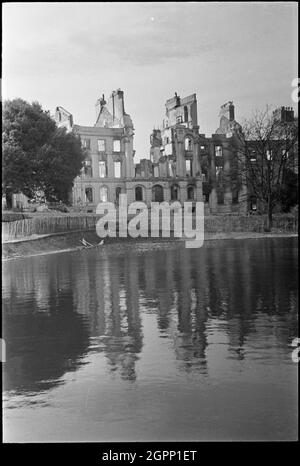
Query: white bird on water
(85,243)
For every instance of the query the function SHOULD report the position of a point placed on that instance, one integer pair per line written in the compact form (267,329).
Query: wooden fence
(67,223)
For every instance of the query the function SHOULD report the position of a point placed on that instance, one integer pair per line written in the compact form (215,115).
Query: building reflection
(59,309)
(111,301)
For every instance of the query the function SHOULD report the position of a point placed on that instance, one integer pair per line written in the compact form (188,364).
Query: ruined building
(193,166)
(109,167)
(174,168)
(184,164)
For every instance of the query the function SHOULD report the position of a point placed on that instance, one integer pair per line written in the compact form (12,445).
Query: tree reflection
(44,336)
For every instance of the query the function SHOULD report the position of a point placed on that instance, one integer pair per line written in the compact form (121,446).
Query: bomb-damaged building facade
(184,165)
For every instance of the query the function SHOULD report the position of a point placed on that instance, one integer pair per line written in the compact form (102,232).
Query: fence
(47,225)
(228,223)
(213,224)
(13,216)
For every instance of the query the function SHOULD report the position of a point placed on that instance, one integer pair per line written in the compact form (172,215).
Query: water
(152,342)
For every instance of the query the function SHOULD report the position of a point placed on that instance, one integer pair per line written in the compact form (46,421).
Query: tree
(60,161)
(269,156)
(37,155)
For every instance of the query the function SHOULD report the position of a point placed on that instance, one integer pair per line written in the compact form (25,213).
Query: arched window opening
(218,151)
(188,144)
(157,193)
(138,193)
(174,193)
(118,192)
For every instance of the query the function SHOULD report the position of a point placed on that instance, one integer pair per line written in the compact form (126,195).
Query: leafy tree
(59,163)
(37,155)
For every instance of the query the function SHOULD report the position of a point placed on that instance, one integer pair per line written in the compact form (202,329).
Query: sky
(69,54)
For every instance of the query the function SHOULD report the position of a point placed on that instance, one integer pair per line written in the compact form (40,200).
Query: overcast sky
(69,54)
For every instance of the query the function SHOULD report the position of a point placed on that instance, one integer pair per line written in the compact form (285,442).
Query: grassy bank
(71,242)
(64,242)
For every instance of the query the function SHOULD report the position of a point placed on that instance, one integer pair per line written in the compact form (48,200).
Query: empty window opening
(102,169)
(101,145)
(190,193)
(103,194)
(138,193)
(117,169)
(117,145)
(89,195)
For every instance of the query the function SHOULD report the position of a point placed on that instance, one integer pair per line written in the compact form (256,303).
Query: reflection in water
(60,310)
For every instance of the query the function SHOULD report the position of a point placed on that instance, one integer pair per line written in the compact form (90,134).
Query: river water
(152,341)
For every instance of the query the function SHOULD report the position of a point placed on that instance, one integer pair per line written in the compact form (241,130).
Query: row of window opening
(188,144)
(101,145)
(157,193)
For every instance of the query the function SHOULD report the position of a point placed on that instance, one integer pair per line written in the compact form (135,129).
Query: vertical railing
(213,224)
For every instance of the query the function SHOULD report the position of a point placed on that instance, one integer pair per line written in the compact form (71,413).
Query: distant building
(284,114)
(284,156)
